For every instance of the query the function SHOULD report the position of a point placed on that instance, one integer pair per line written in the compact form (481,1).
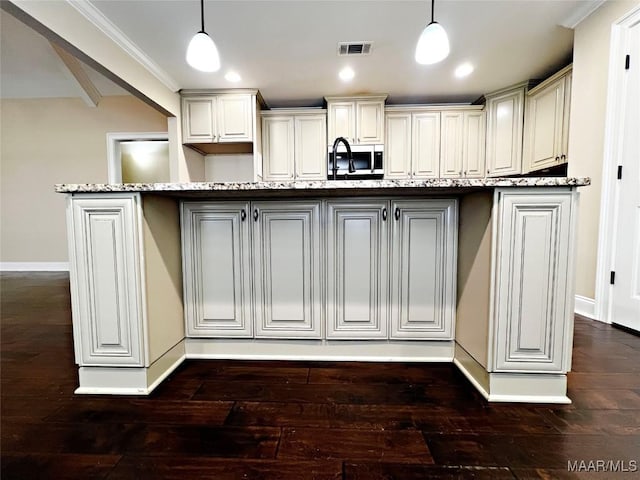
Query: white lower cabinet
(532,295)
(255,269)
(286,269)
(423,269)
(106,285)
(357,269)
(217,269)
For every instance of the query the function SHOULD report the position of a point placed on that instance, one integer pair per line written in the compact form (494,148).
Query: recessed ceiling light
(346,74)
(232,77)
(463,70)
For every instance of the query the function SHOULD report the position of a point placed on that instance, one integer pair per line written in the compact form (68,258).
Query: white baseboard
(34,266)
(586,307)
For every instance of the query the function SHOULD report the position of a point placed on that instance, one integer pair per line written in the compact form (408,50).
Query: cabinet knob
(255,215)
(384,214)
(563,157)
(243,215)
(557,159)
(396,213)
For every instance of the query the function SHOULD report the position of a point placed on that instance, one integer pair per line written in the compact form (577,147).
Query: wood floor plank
(213,441)
(148,411)
(339,444)
(386,471)
(367,417)
(192,468)
(58,467)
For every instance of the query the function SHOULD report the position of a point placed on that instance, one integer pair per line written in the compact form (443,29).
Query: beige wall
(49,141)
(586,133)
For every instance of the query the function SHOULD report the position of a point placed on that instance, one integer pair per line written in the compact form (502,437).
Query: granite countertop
(434,184)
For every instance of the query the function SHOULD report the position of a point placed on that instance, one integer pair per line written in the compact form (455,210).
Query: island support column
(514,331)
(126,290)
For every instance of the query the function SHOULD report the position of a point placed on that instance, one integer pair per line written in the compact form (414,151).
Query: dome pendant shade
(433,45)
(202,53)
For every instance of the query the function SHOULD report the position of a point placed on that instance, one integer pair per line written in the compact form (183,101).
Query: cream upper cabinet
(473,145)
(425,142)
(451,145)
(397,155)
(310,151)
(294,144)
(546,126)
(412,148)
(218,118)
(504,131)
(358,119)
(278,147)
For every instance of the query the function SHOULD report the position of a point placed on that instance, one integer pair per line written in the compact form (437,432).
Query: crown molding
(580,13)
(97,18)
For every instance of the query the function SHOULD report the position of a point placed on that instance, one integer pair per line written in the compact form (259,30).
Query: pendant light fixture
(433,44)
(202,53)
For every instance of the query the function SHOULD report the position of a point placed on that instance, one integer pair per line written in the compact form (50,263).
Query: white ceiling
(288,49)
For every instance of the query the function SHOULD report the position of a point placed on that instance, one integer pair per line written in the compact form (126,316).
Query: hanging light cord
(202,15)
(433,7)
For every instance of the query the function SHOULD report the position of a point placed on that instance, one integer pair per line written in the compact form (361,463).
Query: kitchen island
(475,271)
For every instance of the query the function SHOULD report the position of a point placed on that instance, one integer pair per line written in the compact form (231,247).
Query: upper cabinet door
(341,121)
(217,270)
(451,147)
(311,147)
(564,149)
(473,148)
(504,133)
(235,113)
(286,273)
(369,122)
(426,145)
(543,127)
(278,148)
(198,120)
(397,160)
(357,269)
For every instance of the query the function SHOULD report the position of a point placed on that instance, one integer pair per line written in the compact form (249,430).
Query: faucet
(334,169)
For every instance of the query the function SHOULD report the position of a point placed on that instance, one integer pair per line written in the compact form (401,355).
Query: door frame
(612,144)
(114,165)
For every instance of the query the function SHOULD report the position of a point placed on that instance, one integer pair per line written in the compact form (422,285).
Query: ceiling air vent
(354,48)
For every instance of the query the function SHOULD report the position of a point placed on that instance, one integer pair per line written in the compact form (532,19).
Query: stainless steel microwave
(367,160)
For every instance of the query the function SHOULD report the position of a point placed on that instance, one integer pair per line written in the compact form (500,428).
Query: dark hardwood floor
(299,420)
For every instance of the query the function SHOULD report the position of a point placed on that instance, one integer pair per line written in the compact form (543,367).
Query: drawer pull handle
(243,214)
(384,214)
(397,213)
(255,215)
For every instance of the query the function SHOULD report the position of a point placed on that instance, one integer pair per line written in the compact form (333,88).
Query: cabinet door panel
(504,133)
(216,269)
(199,121)
(423,269)
(311,147)
(106,281)
(357,270)
(369,122)
(426,145)
(474,137)
(451,147)
(278,148)
(397,160)
(532,282)
(286,246)
(341,121)
(543,138)
(564,150)
(234,114)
